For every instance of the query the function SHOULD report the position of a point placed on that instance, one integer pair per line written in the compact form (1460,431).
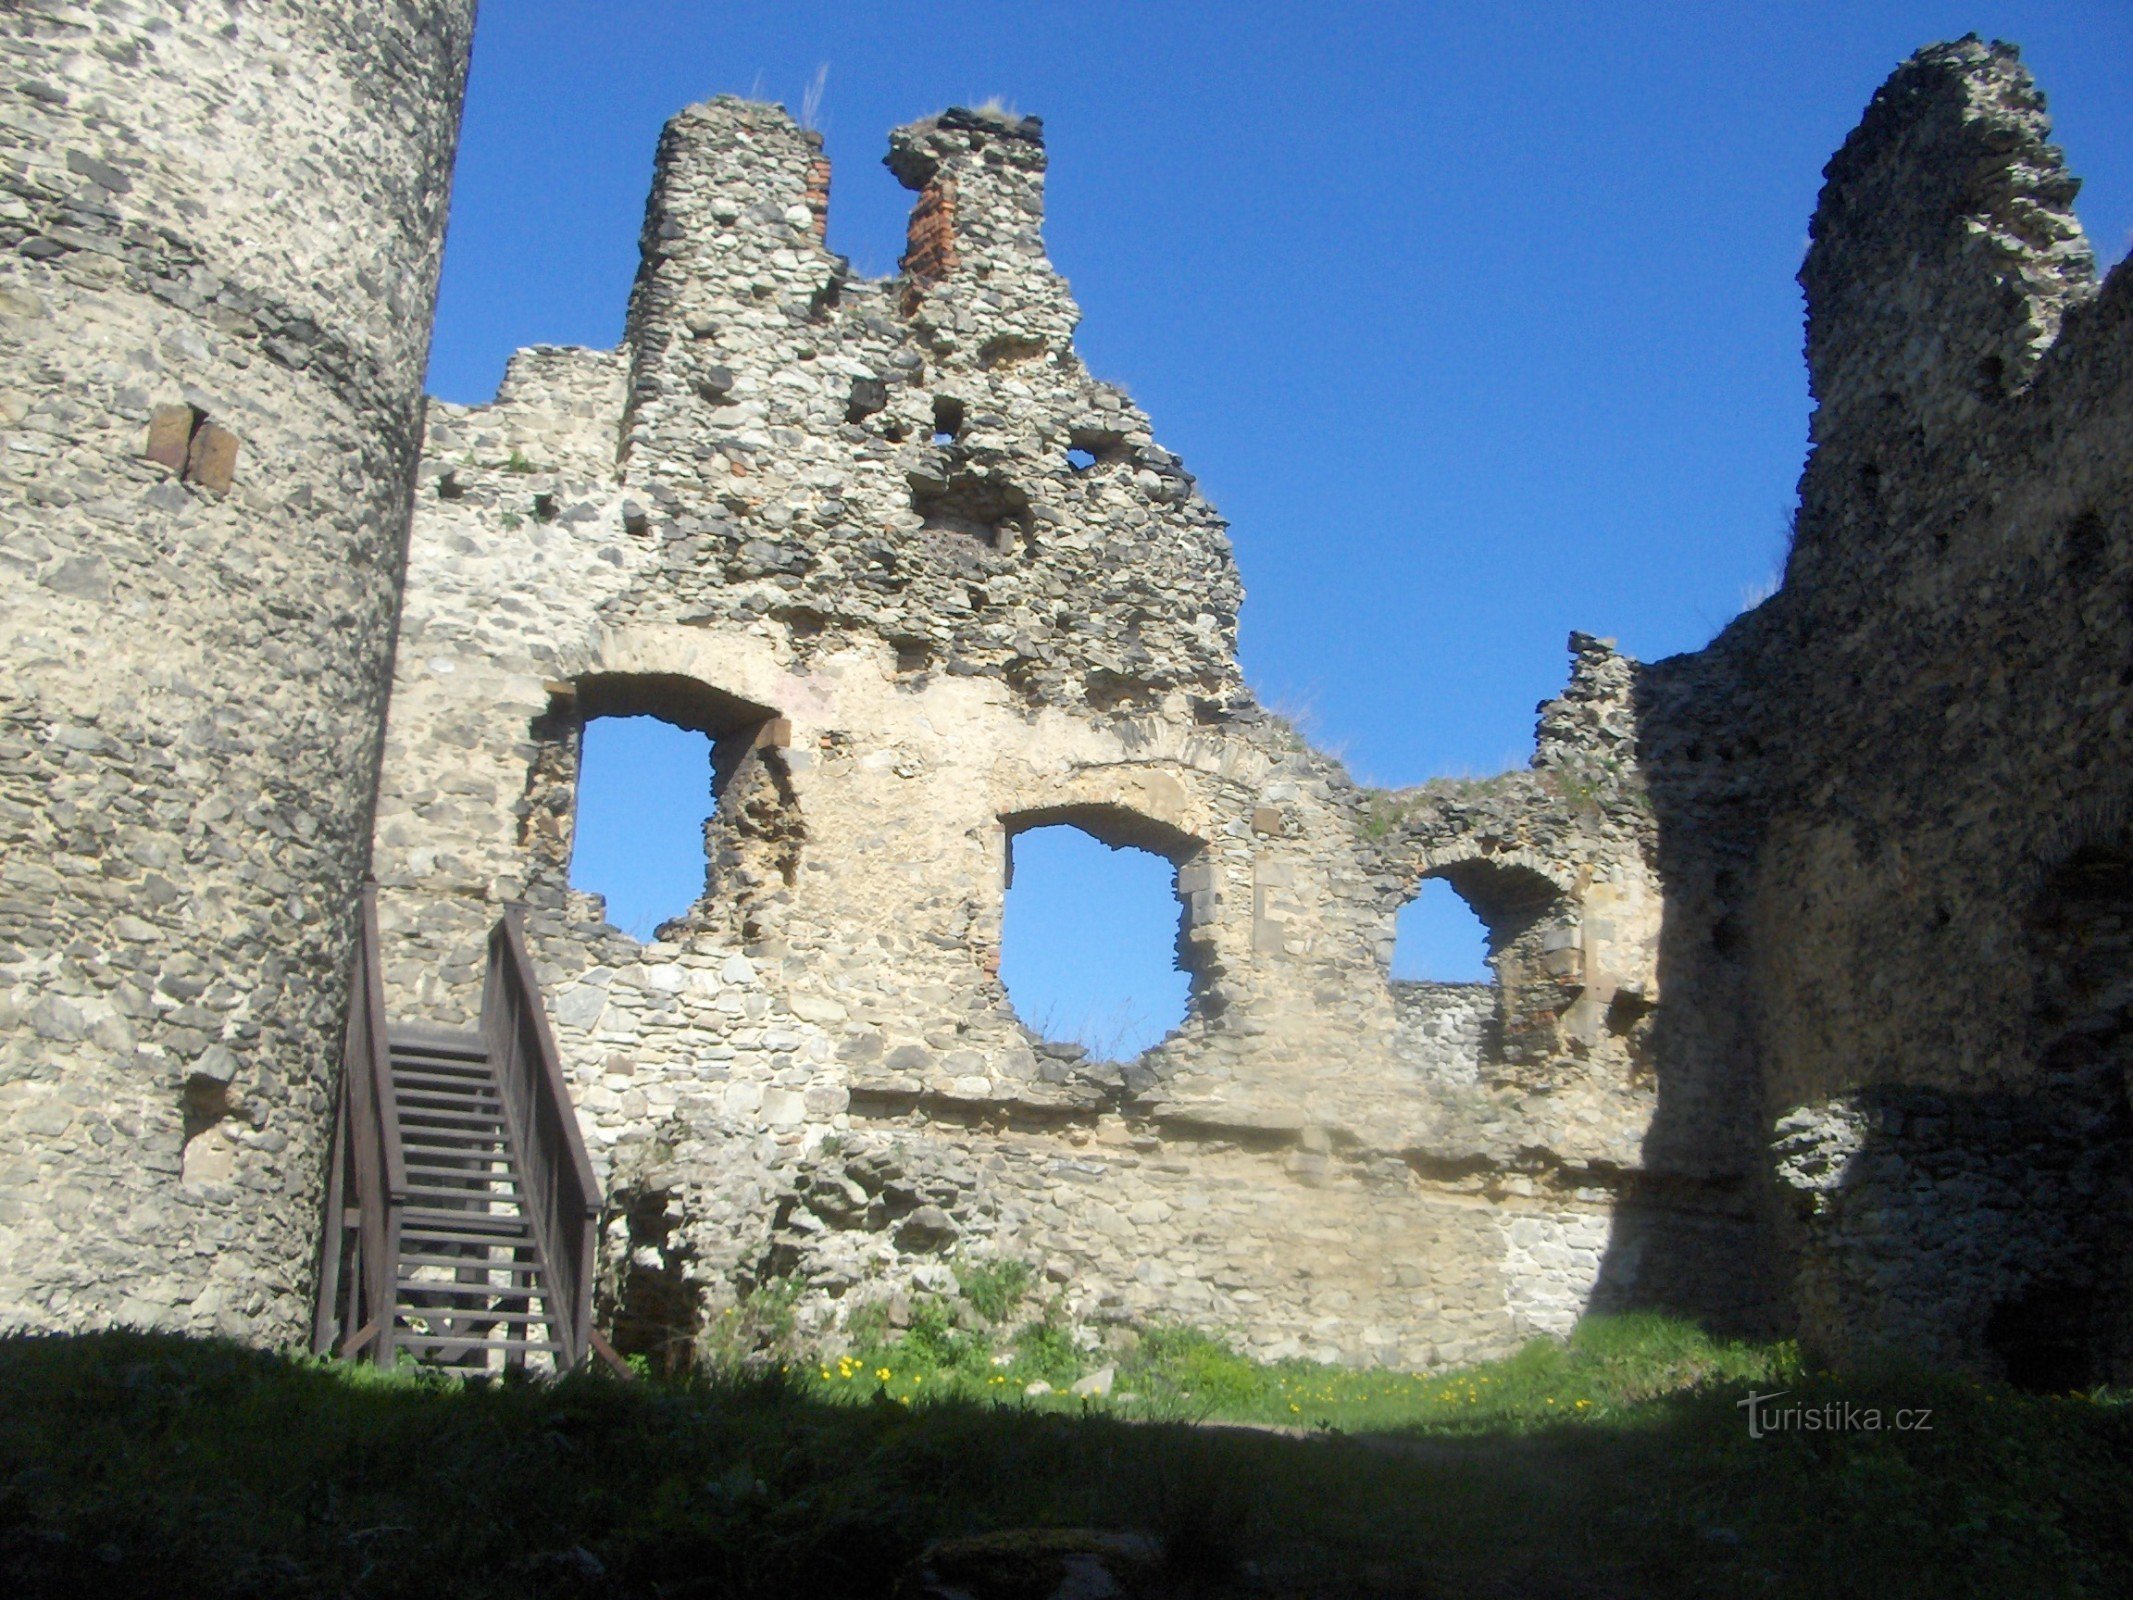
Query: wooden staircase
(471,1285)
(461,1205)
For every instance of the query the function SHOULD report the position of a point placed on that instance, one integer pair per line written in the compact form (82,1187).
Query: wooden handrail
(367,1184)
(561,1194)
(355,1288)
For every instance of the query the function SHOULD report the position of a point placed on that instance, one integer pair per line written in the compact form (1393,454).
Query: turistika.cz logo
(1828,1416)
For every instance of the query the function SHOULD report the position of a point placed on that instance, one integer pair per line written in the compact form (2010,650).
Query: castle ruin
(1813,970)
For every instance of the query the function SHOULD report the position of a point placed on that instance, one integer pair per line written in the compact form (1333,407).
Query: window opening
(644,796)
(1438,939)
(1090,944)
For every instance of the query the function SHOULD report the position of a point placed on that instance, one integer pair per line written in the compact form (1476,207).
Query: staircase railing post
(354,1310)
(393,1158)
(561,1193)
(333,1241)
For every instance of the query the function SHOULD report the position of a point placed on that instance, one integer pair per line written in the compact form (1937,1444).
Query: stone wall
(925,582)
(1810,949)
(1443,1030)
(1892,799)
(219,235)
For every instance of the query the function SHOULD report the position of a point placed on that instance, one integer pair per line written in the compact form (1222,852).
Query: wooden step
(421,1073)
(432,1083)
(469,1291)
(471,1059)
(446,1121)
(418,1036)
(422,1219)
(518,1269)
(468,1227)
(456,1093)
(453,1153)
(488,1170)
(501,1319)
(414,1299)
(407,1338)
(413,1106)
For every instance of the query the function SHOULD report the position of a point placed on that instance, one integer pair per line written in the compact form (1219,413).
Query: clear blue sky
(1478,322)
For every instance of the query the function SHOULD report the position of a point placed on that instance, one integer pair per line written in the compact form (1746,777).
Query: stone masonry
(1811,949)
(923,581)
(1916,823)
(219,235)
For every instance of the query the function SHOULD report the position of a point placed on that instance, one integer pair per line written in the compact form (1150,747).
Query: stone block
(170,436)
(211,462)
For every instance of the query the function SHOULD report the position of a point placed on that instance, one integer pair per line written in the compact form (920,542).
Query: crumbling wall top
(918,150)
(1945,251)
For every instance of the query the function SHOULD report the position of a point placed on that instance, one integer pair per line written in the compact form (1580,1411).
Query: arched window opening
(1443,988)
(1091,943)
(1480,961)
(1437,938)
(645,797)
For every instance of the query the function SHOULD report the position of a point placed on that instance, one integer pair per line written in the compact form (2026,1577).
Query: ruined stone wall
(1810,949)
(1891,799)
(219,235)
(924,582)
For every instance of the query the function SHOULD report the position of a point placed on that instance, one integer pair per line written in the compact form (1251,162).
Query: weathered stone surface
(206,212)
(1811,949)
(913,628)
(1892,801)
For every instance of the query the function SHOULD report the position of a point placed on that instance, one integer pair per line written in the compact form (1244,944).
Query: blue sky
(1478,322)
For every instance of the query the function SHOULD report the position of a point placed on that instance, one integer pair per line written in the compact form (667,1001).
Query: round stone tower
(220,224)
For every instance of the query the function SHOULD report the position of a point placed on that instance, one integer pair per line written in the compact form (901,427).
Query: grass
(136,1463)
(1610,1368)
(1116,1033)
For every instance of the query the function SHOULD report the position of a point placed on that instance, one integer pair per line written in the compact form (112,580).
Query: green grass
(1609,1367)
(134,1463)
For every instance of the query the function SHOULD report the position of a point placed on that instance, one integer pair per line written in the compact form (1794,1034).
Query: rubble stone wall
(1810,949)
(925,582)
(1907,832)
(219,236)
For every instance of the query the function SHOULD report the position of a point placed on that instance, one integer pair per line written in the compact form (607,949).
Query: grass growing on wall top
(133,1463)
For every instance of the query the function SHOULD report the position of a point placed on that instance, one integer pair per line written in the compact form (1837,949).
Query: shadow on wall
(1690,1234)
(1989,1228)
(1889,801)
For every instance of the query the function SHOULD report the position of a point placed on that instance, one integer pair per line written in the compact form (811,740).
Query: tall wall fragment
(1919,801)
(219,236)
(924,582)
